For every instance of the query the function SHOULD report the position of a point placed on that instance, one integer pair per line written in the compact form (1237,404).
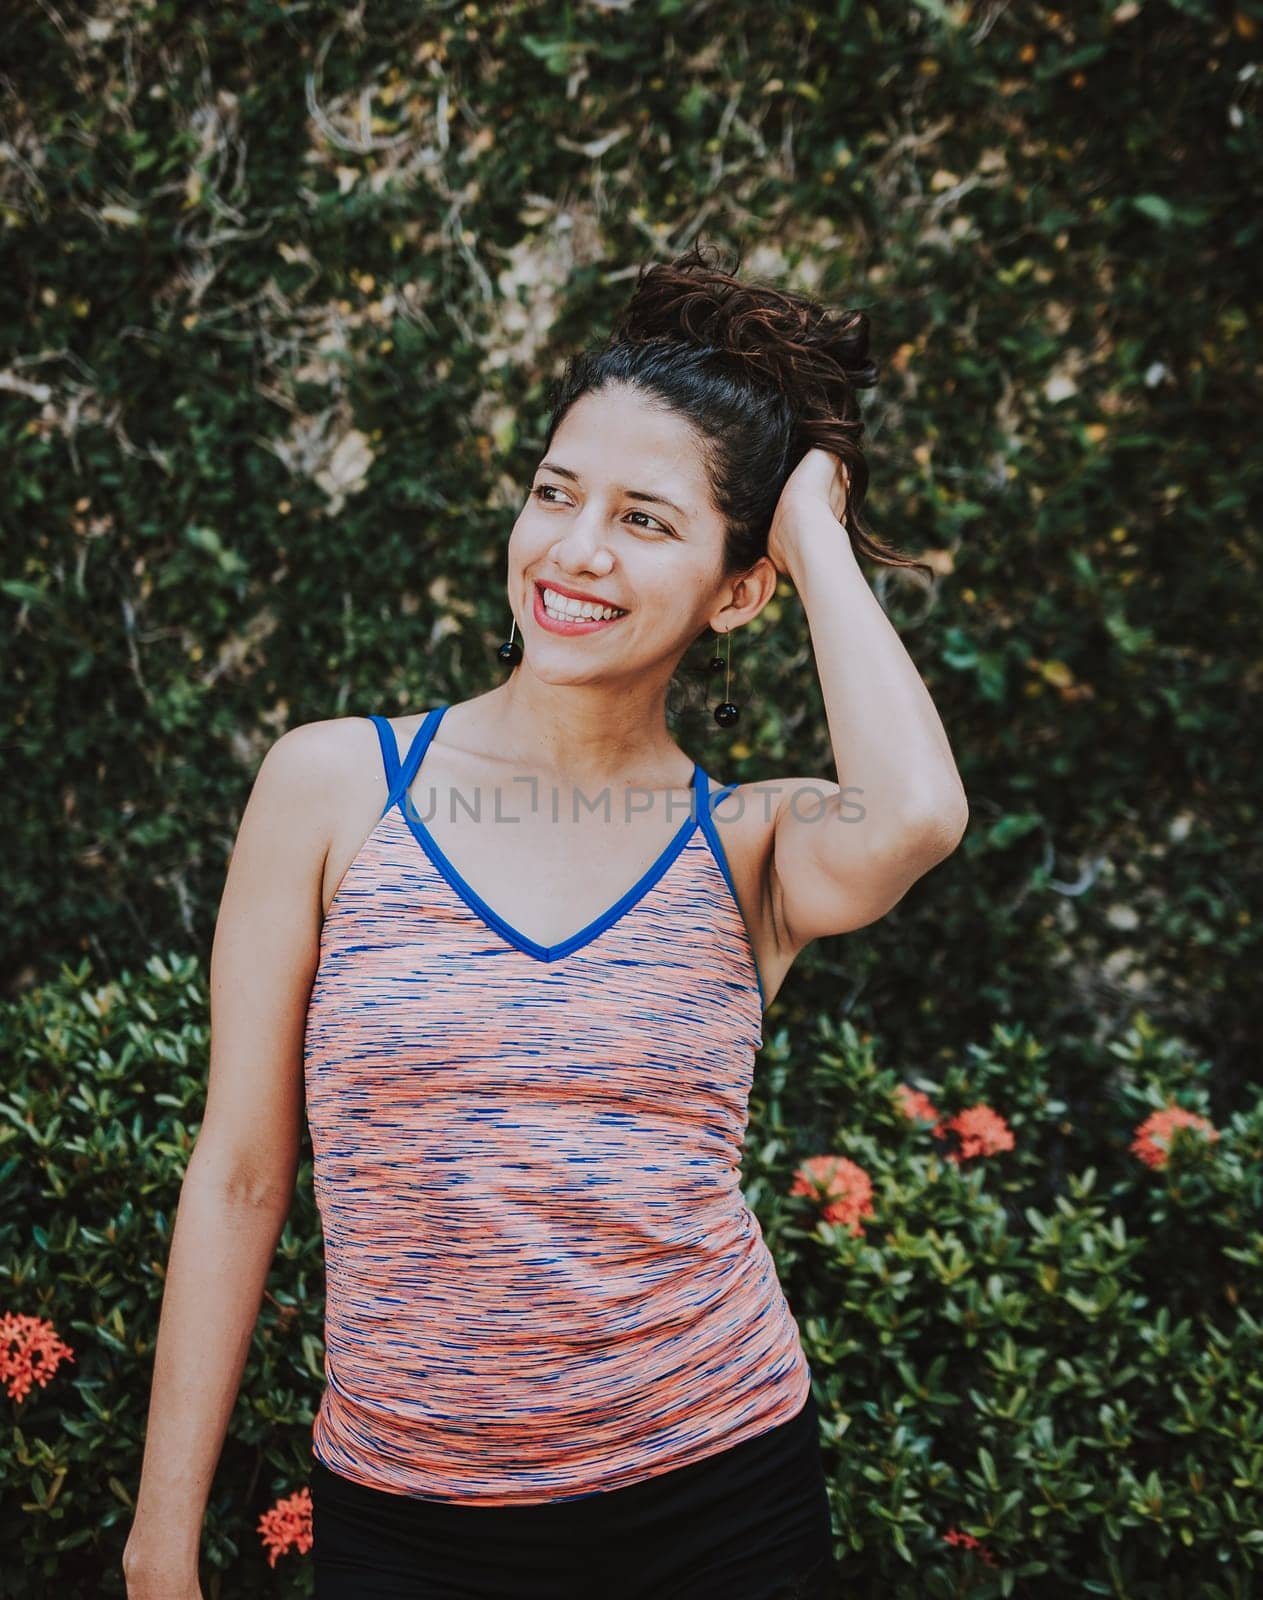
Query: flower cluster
(287,1525)
(30,1352)
(1153,1137)
(980,1131)
(916,1105)
(845,1189)
(954,1536)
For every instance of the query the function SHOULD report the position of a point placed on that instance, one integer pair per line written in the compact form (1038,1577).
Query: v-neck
(402,783)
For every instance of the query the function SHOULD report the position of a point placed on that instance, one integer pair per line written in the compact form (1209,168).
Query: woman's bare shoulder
(318,757)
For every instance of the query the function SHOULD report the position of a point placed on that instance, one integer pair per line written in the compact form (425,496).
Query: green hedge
(1051,1349)
(287,384)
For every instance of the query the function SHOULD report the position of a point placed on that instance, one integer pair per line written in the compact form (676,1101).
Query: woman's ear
(747,594)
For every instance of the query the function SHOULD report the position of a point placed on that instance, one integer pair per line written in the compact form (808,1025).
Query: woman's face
(597,523)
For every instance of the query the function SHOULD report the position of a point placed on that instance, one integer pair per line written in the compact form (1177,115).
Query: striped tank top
(542,1278)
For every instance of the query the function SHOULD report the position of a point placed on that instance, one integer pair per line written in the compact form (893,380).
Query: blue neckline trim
(400,775)
(402,782)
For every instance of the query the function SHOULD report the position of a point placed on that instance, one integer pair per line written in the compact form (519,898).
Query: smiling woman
(558,1357)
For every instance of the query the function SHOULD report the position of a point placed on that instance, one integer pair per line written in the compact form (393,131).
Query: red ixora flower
(982,1132)
(846,1189)
(916,1105)
(30,1352)
(1153,1137)
(287,1525)
(952,1536)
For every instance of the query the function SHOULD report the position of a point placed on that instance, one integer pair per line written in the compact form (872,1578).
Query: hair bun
(798,346)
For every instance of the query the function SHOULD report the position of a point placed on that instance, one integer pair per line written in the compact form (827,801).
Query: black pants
(747,1523)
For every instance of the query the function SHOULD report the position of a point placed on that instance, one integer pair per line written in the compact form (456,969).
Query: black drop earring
(726,714)
(510,651)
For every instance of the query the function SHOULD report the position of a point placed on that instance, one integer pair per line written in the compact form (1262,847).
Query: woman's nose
(584,545)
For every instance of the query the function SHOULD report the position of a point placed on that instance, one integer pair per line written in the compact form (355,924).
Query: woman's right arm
(239,1183)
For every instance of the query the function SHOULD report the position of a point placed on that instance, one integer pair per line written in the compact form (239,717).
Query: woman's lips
(583,625)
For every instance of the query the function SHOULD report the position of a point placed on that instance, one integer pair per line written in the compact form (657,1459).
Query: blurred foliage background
(285,285)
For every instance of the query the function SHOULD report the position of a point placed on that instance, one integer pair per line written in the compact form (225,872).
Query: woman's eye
(654,520)
(544,490)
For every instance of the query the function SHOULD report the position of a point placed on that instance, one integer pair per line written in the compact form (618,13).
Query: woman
(513,955)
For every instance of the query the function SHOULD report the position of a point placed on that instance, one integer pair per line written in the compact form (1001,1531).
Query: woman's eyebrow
(632,494)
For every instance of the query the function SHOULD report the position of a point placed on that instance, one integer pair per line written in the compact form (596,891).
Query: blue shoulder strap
(399,774)
(390,754)
(711,797)
(714,796)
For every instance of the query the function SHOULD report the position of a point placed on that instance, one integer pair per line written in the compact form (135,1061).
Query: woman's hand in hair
(818,484)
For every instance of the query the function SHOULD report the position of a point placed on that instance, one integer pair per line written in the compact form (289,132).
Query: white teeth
(565,609)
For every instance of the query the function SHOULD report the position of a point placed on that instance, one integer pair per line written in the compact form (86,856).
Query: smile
(560,614)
